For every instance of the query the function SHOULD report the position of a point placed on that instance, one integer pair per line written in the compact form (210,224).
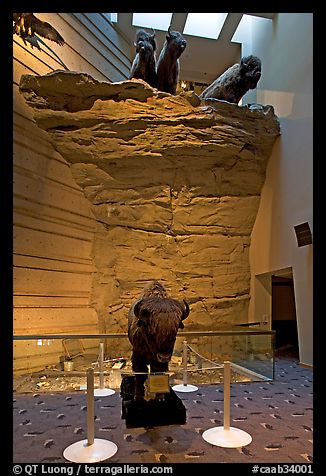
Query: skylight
(206,25)
(244,31)
(113,17)
(158,21)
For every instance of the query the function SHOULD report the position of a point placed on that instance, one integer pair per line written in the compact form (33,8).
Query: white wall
(285,47)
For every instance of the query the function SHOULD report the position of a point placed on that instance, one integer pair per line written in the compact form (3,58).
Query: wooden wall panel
(30,61)
(53,213)
(95,46)
(40,280)
(53,224)
(34,58)
(54,320)
(37,186)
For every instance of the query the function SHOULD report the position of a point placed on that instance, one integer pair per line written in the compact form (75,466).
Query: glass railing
(59,363)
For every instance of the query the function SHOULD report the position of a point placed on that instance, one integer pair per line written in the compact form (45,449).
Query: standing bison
(236,81)
(144,63)
(168,62)
(153,323)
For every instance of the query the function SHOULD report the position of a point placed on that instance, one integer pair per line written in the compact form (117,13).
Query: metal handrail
(124,334)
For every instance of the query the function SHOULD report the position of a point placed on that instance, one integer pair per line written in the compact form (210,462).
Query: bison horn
(169,30)
(153,34)
(185,312)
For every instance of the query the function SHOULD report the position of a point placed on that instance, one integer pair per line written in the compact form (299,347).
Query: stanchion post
(102,391)
(227,436)
(101,365)
(185,387)
(227,384)
(184,361)
(91,450)
(90,407)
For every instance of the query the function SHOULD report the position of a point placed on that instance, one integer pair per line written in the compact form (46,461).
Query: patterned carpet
(277,414)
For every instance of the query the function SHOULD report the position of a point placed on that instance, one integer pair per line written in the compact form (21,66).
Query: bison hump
(155,306)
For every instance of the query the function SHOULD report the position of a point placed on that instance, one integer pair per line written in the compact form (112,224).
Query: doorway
(284,319)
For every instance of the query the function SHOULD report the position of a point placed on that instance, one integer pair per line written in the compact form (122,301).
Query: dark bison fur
(168,65)
(144,63)
(153,323)
(236,81)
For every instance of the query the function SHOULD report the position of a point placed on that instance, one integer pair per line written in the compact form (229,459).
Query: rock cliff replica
(174,184)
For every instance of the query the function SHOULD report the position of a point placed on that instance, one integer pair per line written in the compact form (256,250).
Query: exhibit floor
(277,414)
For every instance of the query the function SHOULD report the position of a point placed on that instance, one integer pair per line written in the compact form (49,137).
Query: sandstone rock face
(174,184)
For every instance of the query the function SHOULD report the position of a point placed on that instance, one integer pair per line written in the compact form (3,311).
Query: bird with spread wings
(27,24)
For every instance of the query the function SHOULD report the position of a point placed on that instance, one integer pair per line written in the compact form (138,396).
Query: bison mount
(163,409)
(153,322)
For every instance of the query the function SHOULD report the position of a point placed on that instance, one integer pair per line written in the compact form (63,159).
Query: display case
(58,363)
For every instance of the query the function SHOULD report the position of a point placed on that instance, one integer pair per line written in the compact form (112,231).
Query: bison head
(160,320)
(144,40)
(175,42)
(250,71)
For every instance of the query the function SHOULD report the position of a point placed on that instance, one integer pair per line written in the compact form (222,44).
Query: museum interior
(162,238)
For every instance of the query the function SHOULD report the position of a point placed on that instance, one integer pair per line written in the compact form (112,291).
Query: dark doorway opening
(284,319)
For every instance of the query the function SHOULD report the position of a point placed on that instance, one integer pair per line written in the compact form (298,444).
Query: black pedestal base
(142,413)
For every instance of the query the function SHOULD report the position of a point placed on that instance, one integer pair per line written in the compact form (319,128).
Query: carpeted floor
(278,415)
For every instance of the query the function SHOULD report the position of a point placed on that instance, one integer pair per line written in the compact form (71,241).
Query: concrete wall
(285,47)
(53,224)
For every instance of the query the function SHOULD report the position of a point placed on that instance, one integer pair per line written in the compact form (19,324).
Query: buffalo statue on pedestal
(153,323)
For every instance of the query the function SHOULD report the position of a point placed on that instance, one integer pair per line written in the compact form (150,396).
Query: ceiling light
(207,25)
(158,21)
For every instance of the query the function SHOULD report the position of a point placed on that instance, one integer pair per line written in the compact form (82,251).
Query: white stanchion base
(101,450)
(103,392)
(184,388)
(232,438)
